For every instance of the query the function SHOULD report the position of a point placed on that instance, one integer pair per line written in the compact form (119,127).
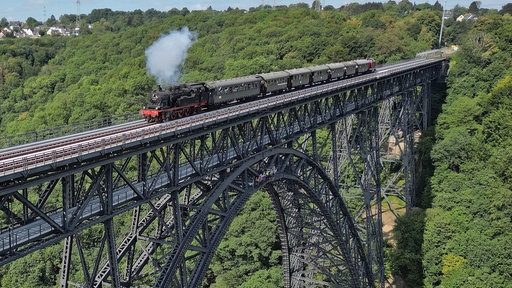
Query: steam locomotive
(192,98)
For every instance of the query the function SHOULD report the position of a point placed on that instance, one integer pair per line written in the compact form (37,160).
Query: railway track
(21,150)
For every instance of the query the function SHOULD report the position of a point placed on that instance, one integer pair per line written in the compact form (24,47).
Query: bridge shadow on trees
(406,259)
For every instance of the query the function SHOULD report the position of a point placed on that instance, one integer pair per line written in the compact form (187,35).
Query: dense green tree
(38,270)
(356,8)
(430,20)
(51,21)
(68,20)
(4,23)
(465,236)
(271,278)
(437,6)
(405,7)
(455,31)
(32,22)
(474,7)
(98,14)
(407,259)
(251,244)
(507,8)
(371,19)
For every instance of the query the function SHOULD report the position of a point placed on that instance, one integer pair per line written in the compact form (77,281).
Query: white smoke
(166,56)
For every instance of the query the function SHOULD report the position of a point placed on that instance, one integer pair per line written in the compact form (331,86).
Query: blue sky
(22,9)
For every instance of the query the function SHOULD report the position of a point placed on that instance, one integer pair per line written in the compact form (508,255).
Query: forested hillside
(468,231)
(55,80)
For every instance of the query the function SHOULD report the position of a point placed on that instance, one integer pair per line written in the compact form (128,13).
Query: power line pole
(442,24)
(77,13)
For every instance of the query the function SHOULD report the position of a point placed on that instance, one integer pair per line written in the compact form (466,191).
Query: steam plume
(165,56)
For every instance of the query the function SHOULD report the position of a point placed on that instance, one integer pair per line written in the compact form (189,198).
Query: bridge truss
(325,159)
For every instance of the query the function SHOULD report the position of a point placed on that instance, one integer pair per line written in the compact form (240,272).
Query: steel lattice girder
(169,177)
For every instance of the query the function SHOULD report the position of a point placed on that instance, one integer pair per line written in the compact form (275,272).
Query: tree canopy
(467,230)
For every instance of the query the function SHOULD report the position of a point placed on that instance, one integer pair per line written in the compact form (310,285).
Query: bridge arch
(320,244)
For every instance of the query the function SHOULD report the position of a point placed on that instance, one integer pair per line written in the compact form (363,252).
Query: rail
(64,130)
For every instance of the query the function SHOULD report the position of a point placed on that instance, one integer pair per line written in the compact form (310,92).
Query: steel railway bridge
(322,154)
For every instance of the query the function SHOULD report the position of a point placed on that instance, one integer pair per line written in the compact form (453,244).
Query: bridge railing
(7,141)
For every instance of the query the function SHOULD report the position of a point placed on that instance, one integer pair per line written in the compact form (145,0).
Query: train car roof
(336,65)
(194,83)
(233,81)
(362,61)
(318,68)
(298,71)
(274,75)
(350,63)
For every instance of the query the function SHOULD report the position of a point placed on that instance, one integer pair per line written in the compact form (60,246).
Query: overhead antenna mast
(442,24)
(77,13)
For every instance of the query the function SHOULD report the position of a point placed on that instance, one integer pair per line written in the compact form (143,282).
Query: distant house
(466,17)
(15,29)
(4,32)
(58,31)
(27,33)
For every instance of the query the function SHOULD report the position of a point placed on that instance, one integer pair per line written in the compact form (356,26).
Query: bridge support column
(66,262)
(68,194)
(427,105)
(409,118)
(109,227)
(142,161)
(371,188)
